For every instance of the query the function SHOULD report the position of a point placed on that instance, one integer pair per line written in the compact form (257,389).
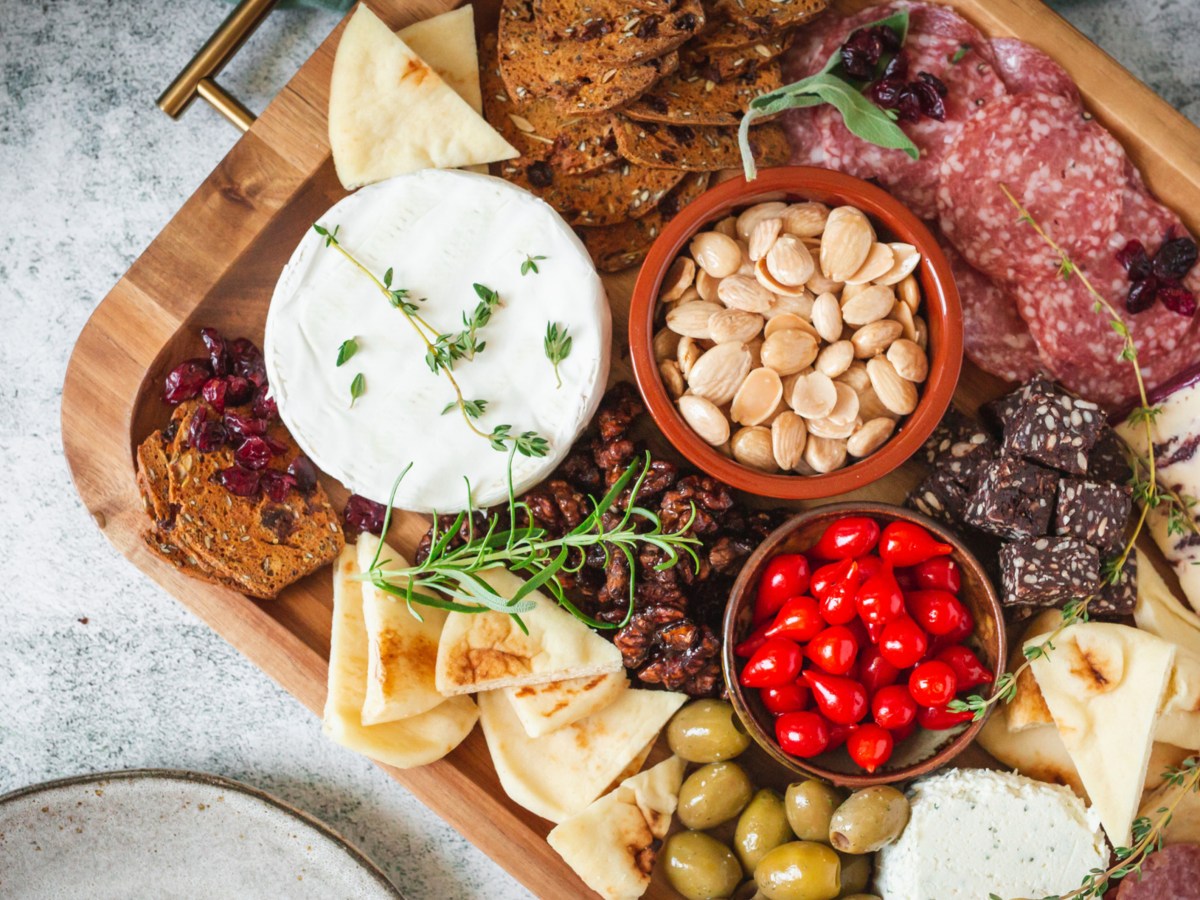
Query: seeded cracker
(696,148)
(617,31)
(768,16)
(698,95)
(722,36)
(620,246)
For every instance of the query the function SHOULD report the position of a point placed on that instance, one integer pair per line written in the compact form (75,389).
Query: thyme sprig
(443,349)
(450,576)
(557,345)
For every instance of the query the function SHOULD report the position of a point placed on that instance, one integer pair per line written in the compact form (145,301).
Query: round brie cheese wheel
(440,233)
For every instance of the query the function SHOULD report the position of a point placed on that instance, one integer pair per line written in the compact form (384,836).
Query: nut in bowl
(848,632)
(797,336)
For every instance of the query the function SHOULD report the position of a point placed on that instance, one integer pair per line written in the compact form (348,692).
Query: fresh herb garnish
(833,86)
(357,386)
(963,50)
(530,264)
(443,350)
(347,349)
(557,345)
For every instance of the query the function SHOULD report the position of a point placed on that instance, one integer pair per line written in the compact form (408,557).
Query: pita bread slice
(447,43)
(1028,708)
(1036,751)
(557,775)
(1104,685)
(611,845)
(1179,721)
(390,113)
(401,649)
(486,651)
(1160,612)
(543,708)
(415,741)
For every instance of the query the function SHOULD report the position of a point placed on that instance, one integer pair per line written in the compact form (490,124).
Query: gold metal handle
(198,77)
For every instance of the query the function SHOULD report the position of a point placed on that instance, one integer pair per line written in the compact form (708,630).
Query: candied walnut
(695,498)
(614,458)
(636,639)
(580,470)
(728,553)
(617,413)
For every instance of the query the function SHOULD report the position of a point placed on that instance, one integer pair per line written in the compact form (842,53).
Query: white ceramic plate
(172,834)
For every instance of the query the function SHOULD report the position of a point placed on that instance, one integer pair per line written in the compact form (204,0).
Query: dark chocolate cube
(998,412)
(1055,430)
(1107,461)
(940,496)
(1048,571)
(1012,498)
(1096,513)
(1118,598)
(955,428)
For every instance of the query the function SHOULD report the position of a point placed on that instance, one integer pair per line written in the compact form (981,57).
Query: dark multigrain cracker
(697,148)
(1012,499)
(1093,512)
(615,31)
(617,247)
(766,17)
(724,38)
(697,94)
(1048,571)
(1054,429)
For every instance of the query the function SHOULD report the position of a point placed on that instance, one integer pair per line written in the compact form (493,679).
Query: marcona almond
(869,437)
(705,419)
(878,262)
(788,437)
(902,314)
(845,244)
(867,306)
(690,295)
(827,317)
(725,450)
(763,236)
(727,226)
(780,408)
(870,406)
(666,342)
(719,372)
(672,377)
(813,395)
(734,325)
(856,376)
(894,392)
(717,254)
(819,284)
(757,398)
(706,286)
(845,411)
(789,351)
(764,277)
(824,454)
(686,355)
(904,260)
(790,262)
(805,220)
(755,348)
(835,358)
(800,304)
(741,292)
(909,293)
(873,339)
(679,278)
(908,360)
(752,447)
(921,335)
(784,321)
(691,319)
(827,428)
(748,219)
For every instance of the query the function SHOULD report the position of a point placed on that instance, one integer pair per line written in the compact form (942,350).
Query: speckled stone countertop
(99,669)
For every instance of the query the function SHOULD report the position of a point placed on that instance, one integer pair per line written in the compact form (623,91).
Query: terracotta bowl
(925,750)
(940,305)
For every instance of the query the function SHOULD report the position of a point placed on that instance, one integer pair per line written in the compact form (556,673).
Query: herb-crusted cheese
(440,232)
(976,832)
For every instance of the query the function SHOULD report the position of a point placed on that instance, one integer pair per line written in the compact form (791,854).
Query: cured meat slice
(1026,70)
(1173,871)
(995,336)
(1067,170)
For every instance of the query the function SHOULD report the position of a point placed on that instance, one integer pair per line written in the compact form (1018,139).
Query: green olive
(714,794)
(761,828)
(701,867)
(707,731)
(810,806)
(869,819)
(801,870)
(856,873)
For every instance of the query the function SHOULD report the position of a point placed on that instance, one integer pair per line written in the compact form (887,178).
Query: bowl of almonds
(797,336)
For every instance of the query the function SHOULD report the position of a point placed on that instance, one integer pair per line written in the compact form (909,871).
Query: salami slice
(1173,871)
(1066,169)
(1026,70)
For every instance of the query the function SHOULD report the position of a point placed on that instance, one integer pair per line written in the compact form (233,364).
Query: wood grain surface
(216,262)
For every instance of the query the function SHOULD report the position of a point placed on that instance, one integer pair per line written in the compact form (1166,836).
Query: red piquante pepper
(802,734)
(938,574)
(843,574)
(907,544)
(938,612)
(773,664)
(753,641)
(880,599)
(870,746)
(938,718)
(784,577)
(848,538)
(967,666)
(799,620)
(841,700)
(792,697)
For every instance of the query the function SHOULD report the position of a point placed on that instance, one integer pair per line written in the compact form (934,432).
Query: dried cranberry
(1177,298)
(276,484)
(897,68)
(362,514)
(277,447)
(540,174)
(1133,259)
(264,406)
(1142,295)
(214,392)
(186,380)
(238,481)
(217,354)
(304,473)
(908,104)
(863,49)
(1175,258)
(246,356)
(928,94)
(280,520)
(243,427)
(238,390)
(933,81)
(205,435)
(254,453)
(648,27)
(885,93)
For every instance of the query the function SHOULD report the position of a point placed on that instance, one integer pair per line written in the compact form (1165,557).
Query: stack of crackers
(622,111)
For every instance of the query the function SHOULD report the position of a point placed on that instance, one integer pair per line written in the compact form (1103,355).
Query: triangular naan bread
(1103,684)
(611,844)
(559,774)
(390,113)
(1036,751)
(1028,709)
(413,742)
(1179,720)
(402,650)
(486,651)
(447,43)
(1160,612)
(543,708)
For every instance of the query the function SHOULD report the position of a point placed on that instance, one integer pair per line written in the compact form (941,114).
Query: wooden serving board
(216,262)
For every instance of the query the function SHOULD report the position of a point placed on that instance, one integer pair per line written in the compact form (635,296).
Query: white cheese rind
(976,832)
(440,232)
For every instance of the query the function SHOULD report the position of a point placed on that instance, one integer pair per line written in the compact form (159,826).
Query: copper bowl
(925,750)
(941,308)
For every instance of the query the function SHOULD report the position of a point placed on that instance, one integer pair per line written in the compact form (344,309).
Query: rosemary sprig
(450,576)
(442,350)
(557,344)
